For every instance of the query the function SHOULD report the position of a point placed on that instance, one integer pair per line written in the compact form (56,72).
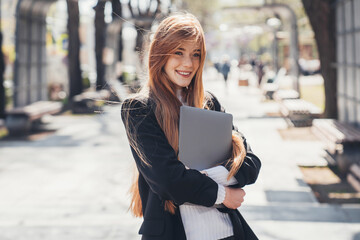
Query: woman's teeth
(184,73)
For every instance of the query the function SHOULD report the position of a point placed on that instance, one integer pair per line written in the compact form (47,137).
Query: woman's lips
(183,73)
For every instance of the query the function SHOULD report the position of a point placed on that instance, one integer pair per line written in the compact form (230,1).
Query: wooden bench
(272,84)
(90,102)
(2,124)
(269,89)
(353,177)
(21,120)
(285,94)
(298,112)
(342,142)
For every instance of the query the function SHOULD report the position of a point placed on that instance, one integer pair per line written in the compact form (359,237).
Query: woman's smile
(183,64)
(183,73)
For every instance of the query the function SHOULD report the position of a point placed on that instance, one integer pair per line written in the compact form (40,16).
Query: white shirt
(207,223)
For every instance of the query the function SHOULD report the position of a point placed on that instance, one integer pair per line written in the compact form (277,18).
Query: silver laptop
(204,137)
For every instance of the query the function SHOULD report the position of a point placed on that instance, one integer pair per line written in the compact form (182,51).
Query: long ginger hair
(168,37)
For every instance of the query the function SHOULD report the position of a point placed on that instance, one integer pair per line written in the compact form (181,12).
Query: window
(348,60)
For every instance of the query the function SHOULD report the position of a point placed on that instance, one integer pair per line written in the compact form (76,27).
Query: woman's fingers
(234,197)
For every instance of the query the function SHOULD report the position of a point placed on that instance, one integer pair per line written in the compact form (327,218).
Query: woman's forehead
(191,45)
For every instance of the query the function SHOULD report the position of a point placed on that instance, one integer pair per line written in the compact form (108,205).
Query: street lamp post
(274,23)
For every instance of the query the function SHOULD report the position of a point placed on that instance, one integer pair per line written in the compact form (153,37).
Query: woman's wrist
(221,194)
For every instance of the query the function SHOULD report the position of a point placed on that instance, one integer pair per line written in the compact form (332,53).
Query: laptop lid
(204,137)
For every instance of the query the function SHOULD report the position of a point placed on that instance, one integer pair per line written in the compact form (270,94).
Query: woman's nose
(187,61)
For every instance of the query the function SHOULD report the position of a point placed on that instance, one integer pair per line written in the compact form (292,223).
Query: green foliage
(260,41)
(85,80)
(8,97)
(129,77)
(314,94)
(203,10)
(3,132)
(210,15)
(296,6)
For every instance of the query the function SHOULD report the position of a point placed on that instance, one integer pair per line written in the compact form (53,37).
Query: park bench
(270,84)
(21,120)
(2,124)
(284,94)
(342,142)
(298,112)
(90,102)
(353,177)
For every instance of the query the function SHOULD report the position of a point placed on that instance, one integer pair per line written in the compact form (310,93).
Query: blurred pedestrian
(225,69)
(164,184)
(217,65)
(260,71)
(253,61)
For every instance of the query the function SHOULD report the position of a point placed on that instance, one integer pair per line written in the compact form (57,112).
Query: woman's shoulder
(135,101)
(136,105)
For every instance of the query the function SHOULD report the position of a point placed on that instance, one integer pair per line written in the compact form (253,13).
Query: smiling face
(183,64)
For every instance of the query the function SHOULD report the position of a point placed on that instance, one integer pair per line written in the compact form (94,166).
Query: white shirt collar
(179,94)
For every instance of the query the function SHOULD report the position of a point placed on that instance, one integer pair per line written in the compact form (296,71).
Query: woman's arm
(219,174)
(250,168)
(164,173)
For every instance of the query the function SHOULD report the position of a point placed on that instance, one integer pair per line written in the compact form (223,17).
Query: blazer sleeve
(164,173)
(249,170)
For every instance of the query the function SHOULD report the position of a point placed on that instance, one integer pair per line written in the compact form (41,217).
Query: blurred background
(288,71)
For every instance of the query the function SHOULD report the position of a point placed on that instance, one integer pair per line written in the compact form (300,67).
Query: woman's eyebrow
(195,50)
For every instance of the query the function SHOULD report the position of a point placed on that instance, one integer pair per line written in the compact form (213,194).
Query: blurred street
(73,184)
(65,161)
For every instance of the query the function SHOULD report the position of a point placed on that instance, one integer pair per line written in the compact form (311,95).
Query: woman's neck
(180,95)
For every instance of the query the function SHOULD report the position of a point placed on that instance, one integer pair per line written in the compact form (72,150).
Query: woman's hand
(233,197)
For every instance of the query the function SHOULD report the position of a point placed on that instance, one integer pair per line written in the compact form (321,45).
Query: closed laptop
(204,137)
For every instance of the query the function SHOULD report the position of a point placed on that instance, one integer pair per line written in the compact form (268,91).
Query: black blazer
(166,178)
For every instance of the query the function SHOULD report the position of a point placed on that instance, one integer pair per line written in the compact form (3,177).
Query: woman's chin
(182,85)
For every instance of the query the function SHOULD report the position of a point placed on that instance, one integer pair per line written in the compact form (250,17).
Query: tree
(116,9)
(2,89)
(322,19)
(117,16)
(75,78)
(204,11)
(143,19)
(100,33)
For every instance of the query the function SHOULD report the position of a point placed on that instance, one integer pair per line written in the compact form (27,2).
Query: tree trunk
(142,27)
(120,46)
(322,19)
(140,31)
(2,89)
(117,16)
(100,33)
(116,10)
(76,85)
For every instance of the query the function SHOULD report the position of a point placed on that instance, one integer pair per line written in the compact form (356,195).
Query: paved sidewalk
(73,184)
(280,205)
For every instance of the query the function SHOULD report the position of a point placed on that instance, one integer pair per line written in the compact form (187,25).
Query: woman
(177,202)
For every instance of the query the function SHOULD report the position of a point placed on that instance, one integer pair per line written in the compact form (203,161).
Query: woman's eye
(178,53)
(197,55)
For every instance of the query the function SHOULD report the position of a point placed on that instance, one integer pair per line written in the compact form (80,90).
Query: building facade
(348,60)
